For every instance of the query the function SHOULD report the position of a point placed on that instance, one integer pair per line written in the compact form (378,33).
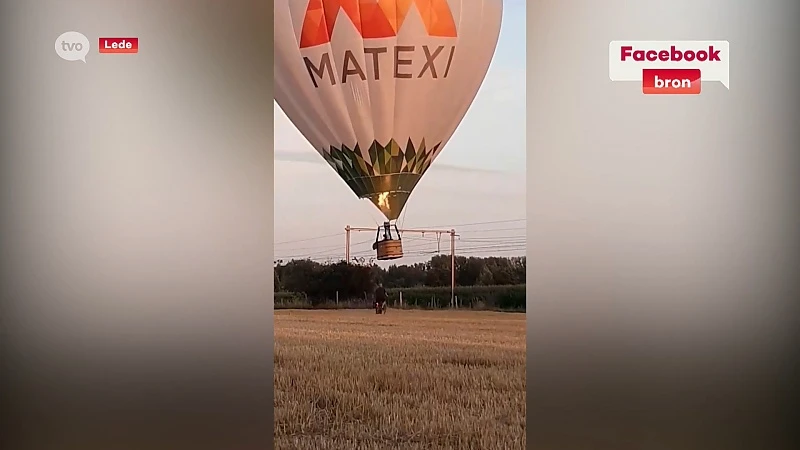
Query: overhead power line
(462,225)
(309,239)
(479,240)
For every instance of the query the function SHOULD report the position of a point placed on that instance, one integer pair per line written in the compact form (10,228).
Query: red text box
(671,81)
(118,45)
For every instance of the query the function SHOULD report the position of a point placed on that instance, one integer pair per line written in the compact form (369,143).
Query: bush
(291,300)
(506,298)
(299,300)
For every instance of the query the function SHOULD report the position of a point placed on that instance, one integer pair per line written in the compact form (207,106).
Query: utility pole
(452,268)
(347,245)
(452,232)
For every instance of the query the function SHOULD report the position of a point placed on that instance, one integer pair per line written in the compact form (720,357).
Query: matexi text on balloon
(397,62)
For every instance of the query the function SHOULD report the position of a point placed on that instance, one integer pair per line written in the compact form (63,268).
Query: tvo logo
(72,46)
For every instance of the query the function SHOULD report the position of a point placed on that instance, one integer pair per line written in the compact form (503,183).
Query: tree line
(497,277)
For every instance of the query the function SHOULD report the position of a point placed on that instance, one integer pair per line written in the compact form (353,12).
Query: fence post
(337,298)
(401,299)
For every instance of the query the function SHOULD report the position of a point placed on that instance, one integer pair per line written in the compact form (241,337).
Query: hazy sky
(478,178)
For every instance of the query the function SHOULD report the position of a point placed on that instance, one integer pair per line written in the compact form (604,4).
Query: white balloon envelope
(378,87)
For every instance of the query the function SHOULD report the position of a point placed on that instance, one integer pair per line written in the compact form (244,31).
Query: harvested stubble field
(351,379)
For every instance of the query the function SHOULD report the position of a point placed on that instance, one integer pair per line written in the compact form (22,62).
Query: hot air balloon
(378,87)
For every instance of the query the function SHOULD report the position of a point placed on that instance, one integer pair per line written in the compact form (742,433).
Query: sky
(476,185)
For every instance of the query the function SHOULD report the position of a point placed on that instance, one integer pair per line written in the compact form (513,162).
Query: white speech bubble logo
(627,59)
(72,46)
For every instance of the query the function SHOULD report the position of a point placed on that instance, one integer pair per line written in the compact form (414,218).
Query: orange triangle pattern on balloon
(373,18)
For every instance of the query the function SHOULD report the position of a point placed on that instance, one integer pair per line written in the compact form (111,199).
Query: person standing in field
(380,295)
